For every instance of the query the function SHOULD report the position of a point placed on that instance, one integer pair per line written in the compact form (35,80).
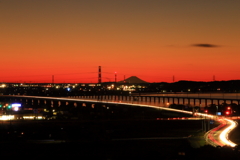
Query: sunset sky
(151,39)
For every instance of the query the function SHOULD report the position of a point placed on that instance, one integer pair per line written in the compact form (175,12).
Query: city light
(6,117)
(16,106)
(33,117)
(3,86)
(227,112)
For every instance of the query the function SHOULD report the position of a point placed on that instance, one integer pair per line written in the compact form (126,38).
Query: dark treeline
(193,86)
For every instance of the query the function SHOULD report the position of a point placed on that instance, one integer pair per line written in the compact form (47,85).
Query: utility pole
(115,77)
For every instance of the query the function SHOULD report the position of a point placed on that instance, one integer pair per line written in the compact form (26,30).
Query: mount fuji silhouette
(133,79)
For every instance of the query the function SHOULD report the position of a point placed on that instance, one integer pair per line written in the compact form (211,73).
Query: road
(219,136)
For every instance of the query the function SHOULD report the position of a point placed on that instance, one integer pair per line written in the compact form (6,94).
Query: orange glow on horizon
(153,40)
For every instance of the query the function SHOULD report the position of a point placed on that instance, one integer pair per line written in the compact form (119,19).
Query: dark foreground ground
(119,139)
(149,149)
(101,130)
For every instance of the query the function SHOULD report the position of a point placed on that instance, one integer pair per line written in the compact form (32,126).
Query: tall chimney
(99,75)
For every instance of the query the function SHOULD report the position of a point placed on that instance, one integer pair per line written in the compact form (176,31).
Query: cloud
(205,45)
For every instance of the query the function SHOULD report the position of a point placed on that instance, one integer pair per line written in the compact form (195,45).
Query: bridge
(216,137)
(159,99)
(165,99)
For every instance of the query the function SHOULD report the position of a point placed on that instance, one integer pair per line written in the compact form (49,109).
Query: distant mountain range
(133,79)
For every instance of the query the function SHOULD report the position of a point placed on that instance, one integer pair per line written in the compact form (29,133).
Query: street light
(167,104)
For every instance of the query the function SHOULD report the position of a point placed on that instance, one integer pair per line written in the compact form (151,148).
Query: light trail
(209,136)
(224,135)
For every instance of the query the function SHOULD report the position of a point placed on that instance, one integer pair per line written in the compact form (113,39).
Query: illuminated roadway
(219,136)
(216,137)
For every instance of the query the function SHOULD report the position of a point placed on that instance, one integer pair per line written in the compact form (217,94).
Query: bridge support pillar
(55,104)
